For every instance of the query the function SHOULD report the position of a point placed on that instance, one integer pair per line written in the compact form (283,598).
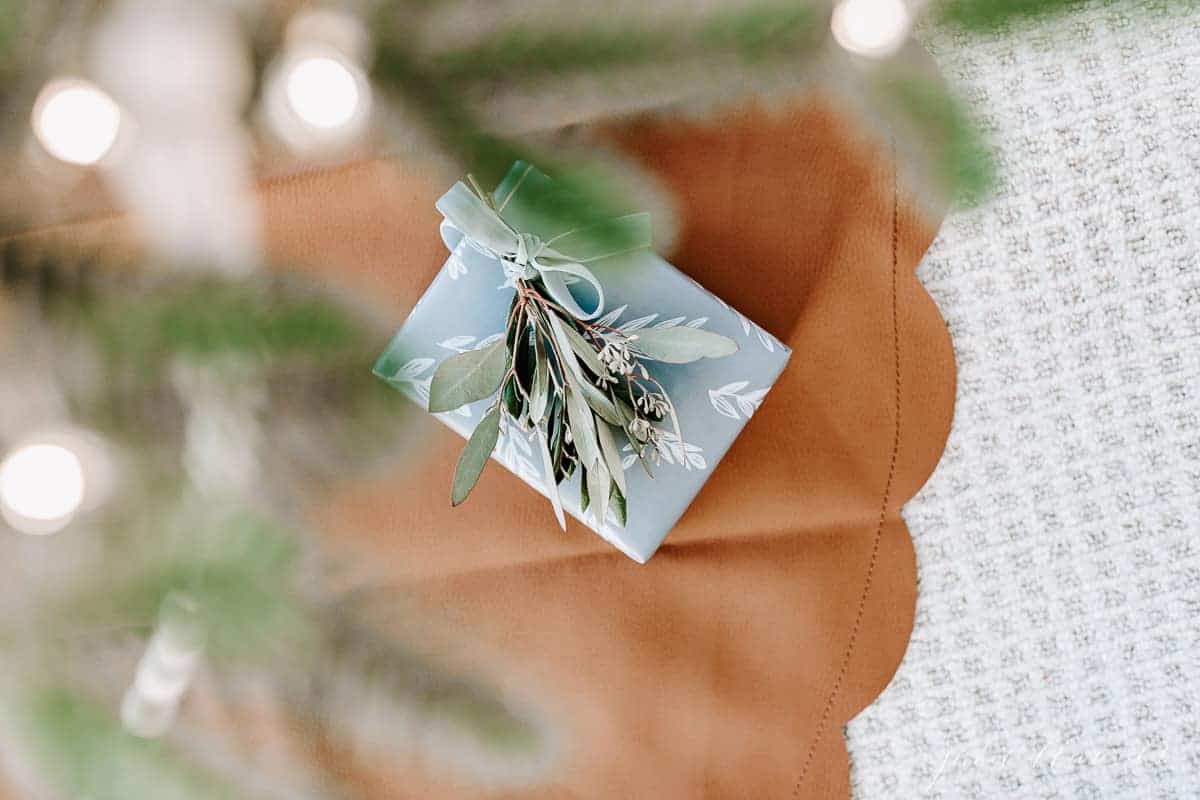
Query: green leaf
(525,358)
(600,403)
(515,325)
(475,456)
(539,395)
(467,377)
(584,499)
(628,415)
(598,483)
(583,429)
(612,455)
(642,451)
(566,352)
(621,393)
(586,351)
(681,345)
(596,399)
(554,429)
(551,484)
(617,501)
(513,401)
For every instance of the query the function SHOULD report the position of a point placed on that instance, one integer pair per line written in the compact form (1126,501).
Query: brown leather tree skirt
(782,603)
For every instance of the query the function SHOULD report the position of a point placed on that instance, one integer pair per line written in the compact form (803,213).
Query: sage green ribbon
(525,256)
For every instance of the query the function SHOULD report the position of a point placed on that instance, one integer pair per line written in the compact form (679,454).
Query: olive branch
(577,383)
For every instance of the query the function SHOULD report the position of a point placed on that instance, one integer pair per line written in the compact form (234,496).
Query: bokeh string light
(323,92)
(318,96)
(871,28)
(75,121)
(41,487)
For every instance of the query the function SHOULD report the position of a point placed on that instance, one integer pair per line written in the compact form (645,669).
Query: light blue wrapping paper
(466,306)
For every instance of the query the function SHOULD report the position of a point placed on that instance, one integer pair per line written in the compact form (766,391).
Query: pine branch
(239,569)
(380,697)
(965,166)
(13,19)
(307,346)
(753,33)
(84,752)
(579,196)
(990,15)
(985,16)
(144,320)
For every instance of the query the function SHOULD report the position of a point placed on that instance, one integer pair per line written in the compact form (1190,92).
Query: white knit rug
(1057,644)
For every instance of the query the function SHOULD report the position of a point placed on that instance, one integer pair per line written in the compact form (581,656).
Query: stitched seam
(860,613)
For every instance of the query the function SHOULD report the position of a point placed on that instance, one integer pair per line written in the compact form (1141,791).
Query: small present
(599,374)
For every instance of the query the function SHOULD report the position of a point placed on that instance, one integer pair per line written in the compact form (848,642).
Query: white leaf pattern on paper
(412,369)
(749,327)
(637,324)
(409,375)
(456,267)
(461,344)
(610,320)
(672,451)
(612,316)
(515,450)
(685,454)
(767,340)
(462,411)
(732,401)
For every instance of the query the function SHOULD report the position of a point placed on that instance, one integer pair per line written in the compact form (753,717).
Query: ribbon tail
(604,239)
(556,285)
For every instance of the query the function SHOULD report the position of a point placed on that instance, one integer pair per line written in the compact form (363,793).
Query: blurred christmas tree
(213,406)
(168,415)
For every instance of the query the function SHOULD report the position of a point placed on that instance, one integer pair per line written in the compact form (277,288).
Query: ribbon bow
(525,256)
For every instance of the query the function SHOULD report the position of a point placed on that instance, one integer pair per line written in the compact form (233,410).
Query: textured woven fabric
(1057,643)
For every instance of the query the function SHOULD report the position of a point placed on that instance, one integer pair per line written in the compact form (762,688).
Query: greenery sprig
(578,383)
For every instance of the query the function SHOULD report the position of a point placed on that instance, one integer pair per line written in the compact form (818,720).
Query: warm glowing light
(316,97)
(75,121)
(323,92)
(873,28)
(41,487)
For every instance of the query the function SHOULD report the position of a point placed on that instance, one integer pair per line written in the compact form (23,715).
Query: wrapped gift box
(466,307)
